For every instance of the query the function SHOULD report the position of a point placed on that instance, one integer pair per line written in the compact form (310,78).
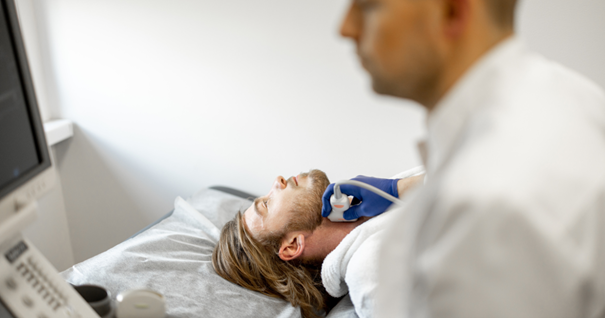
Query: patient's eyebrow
(255,207)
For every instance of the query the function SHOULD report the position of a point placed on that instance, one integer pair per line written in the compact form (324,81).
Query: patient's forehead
(273,217)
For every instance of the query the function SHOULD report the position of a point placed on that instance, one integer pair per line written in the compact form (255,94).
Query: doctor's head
(417,49)
(264,249)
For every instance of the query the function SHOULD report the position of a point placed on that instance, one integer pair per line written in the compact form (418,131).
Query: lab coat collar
(447,119)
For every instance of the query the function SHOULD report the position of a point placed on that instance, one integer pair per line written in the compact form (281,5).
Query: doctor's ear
(292,246)
(456,16)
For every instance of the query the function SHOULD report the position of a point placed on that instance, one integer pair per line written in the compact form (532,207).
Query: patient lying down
(278,245)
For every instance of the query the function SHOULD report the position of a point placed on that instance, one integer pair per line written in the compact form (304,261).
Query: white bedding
(174,258)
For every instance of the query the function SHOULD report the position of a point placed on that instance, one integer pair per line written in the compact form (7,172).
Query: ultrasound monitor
(25,165)
(29,285)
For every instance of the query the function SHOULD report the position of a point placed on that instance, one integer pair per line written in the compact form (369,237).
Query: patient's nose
(281,182)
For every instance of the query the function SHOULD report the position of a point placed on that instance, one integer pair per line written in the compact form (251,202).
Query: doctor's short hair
(502,12)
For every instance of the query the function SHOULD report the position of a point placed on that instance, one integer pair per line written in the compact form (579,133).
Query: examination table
(174,257)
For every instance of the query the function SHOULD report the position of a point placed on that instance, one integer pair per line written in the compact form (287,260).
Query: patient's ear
(292,246)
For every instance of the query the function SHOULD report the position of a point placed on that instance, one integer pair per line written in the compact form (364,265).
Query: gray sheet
(344,309)
(174,258)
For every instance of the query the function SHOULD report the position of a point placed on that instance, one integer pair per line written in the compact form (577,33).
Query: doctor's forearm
(406,184)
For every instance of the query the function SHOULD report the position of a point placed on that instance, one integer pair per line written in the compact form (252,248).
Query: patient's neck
(326,238)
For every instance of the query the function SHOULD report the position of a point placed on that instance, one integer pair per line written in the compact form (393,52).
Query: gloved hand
(371,203)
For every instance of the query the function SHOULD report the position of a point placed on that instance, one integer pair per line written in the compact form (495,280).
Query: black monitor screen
(18,150)
(4,312)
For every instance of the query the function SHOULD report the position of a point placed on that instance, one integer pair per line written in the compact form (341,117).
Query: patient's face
(295,201)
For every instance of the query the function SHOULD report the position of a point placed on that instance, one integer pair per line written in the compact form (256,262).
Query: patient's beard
(309,217)
(307,207)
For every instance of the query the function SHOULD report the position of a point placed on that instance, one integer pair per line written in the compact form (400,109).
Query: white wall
(571,32)
(173,96)
(170,97)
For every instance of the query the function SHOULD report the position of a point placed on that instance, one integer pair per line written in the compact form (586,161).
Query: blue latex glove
(371,203)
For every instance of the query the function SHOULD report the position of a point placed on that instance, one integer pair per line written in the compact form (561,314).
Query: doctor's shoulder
(564,88)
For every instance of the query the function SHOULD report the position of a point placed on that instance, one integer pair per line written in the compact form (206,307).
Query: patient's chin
(326,223)
(312,263)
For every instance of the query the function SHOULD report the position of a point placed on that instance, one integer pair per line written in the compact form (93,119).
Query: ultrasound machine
(30,287)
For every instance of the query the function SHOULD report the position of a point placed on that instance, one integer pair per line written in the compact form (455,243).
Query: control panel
(31,287)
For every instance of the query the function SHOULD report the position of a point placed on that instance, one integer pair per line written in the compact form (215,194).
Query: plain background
(169,97)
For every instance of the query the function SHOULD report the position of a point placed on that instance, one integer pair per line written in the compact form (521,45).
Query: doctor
(511,222)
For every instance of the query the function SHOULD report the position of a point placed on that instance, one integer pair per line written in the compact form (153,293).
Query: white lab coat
(511,222)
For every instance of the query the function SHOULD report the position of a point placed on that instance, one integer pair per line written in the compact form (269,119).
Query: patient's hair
(254,263)
(243,260)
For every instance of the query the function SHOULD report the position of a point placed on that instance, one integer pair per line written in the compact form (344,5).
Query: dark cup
(98,298)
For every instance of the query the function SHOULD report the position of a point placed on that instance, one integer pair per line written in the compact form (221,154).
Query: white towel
(353,266)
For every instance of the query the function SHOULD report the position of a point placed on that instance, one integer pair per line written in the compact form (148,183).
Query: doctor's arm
(406,184)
